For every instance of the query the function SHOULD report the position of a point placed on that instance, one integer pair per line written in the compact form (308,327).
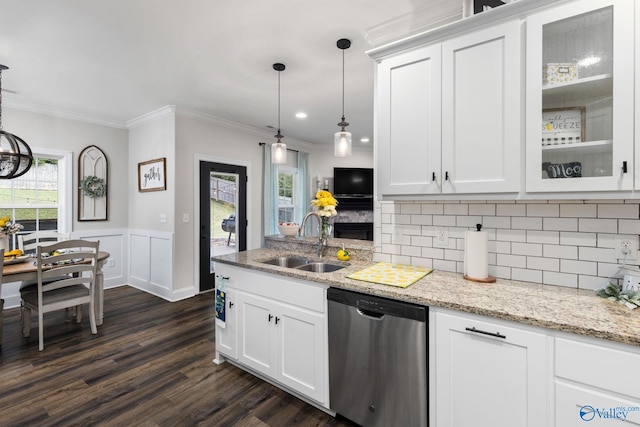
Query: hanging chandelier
(279,149)
(342,139)
(15,155)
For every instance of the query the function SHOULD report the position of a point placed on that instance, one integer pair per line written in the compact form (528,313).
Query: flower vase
(4,243)
(326,228)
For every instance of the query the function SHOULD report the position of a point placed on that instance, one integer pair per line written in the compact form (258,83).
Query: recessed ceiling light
(364,140)
(301,115)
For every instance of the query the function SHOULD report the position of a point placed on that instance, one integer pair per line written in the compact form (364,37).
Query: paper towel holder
(488,279)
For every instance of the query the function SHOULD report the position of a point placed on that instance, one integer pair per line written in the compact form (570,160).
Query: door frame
(196,206)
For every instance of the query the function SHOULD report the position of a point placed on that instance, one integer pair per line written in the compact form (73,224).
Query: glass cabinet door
(580,97)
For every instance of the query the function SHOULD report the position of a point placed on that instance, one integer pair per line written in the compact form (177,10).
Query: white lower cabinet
(227,337)
(488,372)
(281,330)
(283,342)
(596,383)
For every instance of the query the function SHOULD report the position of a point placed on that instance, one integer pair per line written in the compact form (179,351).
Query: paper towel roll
(476,255)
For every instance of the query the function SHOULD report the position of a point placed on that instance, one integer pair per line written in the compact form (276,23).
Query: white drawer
(599,365)
(285,289)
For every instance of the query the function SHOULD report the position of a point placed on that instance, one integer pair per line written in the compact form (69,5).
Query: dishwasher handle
(369,313)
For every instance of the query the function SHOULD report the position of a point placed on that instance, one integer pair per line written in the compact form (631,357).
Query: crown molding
(166,111)
(60,113)
(196,115)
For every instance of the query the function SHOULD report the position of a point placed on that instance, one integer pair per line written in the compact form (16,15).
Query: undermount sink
(300,263)
(287,261)
(320,267)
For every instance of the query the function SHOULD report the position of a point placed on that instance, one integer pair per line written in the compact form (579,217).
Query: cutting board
(391,274)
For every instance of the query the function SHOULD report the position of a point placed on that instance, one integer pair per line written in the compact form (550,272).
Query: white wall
(45,131)
(51,132)
(161,257)
(152,137)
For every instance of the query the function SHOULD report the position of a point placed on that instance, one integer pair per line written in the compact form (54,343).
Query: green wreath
(93,186)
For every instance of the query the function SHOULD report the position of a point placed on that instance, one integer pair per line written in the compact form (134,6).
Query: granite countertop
(554,307)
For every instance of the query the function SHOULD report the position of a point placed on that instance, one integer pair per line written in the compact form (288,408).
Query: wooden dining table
(27,270)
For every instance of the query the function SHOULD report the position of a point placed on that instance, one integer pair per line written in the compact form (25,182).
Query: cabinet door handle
(624,167)
(230,304)
(270,317)
(491,334)
(433,176)
(223,277)
(446,176)
(277,320)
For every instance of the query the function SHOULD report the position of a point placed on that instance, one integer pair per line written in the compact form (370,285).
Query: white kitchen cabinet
(408,110)
(284,342)
(579,97)
(595,383)
(481,104)
(227,336)
(489,372)
(448,116)
(280,328)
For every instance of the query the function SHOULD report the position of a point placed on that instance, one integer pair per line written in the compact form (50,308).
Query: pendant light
(342,139)
(279,149)
(15,155)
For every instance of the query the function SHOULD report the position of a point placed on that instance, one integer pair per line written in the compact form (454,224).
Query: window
(286,194)
(39,199)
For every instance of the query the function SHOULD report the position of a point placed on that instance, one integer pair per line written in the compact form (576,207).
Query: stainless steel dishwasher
(377,360)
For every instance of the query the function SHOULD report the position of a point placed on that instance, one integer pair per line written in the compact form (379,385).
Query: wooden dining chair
(72,263)
(29,242)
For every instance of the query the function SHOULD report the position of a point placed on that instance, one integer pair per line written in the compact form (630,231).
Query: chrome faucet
(322,243)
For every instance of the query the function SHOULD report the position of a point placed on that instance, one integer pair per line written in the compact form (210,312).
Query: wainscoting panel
(151,262)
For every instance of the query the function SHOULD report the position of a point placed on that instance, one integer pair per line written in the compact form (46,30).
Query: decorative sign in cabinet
(579,96)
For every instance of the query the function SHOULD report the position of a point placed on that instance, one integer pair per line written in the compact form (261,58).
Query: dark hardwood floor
(149,365)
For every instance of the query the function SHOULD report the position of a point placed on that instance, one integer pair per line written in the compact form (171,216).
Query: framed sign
(152,175)
(563,125)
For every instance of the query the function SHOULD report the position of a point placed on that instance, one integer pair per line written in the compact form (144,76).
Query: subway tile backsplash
(564,243)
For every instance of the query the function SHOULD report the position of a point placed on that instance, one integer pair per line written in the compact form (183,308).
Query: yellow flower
(325,203)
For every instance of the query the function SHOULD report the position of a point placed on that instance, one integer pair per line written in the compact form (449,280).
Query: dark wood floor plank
(149,365)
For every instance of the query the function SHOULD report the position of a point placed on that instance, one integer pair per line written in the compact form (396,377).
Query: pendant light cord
(343,85)
(279,103)
(2,67)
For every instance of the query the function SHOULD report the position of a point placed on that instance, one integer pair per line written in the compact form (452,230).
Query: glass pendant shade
(279,153)
(279,149)
(15,155)
(342,138)
(342,144)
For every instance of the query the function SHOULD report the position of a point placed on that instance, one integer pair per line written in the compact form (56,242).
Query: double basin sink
(300,263)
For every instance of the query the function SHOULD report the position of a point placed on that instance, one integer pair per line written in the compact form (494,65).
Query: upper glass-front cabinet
(580,97)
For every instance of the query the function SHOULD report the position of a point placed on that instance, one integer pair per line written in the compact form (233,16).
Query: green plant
(614,292)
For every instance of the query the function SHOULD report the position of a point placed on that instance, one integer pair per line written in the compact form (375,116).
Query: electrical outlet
(441,238)
(626,246)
